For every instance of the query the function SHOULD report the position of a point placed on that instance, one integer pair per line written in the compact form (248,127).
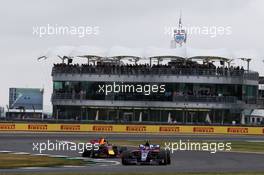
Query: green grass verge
(248,146)
(17,161)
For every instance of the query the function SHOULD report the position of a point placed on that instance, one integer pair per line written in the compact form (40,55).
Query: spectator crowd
(178,68)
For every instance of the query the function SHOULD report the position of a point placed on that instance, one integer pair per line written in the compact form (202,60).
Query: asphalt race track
(181,161)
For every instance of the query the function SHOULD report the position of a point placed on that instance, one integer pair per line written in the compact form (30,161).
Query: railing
(156,71)
(72,121)
(187,98)
(207,99)
(260,102)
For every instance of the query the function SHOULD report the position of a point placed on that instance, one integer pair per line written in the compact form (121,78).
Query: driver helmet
(102,141)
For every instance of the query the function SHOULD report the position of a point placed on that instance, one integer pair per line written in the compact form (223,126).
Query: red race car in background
(103,150)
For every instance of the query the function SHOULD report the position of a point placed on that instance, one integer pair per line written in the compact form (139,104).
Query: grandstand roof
(88,51)
(59,51)
(209,53)
(119,51)
(154,52)
(150,52)
(258,112)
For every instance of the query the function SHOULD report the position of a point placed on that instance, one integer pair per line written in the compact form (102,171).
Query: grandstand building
(187,86)
(176,85)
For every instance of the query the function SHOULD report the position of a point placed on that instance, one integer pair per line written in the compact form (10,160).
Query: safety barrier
(166,129)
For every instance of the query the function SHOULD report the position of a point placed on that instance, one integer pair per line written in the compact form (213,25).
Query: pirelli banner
(162,129)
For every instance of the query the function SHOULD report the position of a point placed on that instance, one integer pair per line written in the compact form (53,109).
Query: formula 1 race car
(104,150)
(146,154)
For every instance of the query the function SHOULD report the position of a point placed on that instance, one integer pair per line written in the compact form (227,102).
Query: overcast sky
(131,23)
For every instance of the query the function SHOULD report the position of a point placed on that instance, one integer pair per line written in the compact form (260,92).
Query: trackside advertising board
(163,129)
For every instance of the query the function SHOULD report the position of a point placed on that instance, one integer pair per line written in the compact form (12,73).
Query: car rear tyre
(92,154)
(163,158)
(125,157)
(86,153)
(168,158)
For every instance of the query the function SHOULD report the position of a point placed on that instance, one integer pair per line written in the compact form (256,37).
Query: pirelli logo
(237,130)
(203,129)
(102,128)
(7,126)
(70,127)
(136,128)
(169,129)
(37,127)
